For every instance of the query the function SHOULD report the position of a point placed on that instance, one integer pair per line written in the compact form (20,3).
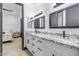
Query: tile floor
(14,48)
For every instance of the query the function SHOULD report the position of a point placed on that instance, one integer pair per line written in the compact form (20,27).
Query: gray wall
(11,20)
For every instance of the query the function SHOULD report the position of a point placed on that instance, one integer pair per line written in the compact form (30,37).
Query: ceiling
(16,9)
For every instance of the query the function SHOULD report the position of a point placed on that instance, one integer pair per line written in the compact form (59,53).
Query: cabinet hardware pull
(33,44)
(61,43)
(33,52)
(39,49)
(39,41)
(42,38)
(28,41)
(33,38)
(53,41)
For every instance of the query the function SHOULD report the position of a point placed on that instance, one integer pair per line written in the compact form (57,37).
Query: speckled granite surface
(58,39)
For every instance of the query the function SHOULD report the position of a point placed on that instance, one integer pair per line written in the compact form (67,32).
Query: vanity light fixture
(5,9)
(38,14)
(54,5)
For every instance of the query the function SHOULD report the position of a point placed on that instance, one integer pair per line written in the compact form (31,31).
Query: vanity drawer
(41,48)
(57,53)
(33,38)
(40,45)
(52,51)
(40,51)
(49,44)
(34,51)
(54,48)
(33,44)
(28,37)
(40,41)
(49,52)
(29,47)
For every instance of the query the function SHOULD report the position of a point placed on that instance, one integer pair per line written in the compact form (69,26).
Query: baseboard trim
(16,37)
(7,41)
(25,48)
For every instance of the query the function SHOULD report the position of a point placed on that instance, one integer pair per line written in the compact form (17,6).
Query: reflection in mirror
(32,24)
(39,22)
(56,19)
(60,19)
(36,23)
(72,16)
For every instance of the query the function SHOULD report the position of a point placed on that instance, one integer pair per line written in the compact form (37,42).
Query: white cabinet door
(39,46)
(40,50)
(29,43)
(50,48)
(61,50)
(25,40)
(53,48)
(48,52)
(42,47)
(35,45)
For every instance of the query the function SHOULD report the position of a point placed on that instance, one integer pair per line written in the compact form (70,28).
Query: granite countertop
(55,38)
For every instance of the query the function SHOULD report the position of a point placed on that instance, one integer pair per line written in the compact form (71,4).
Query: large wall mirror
(30,24)
(72,16)
(67,19)
(39,23)
(56,19)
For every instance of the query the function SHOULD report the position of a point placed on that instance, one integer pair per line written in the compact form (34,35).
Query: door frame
(1,29)
(22,24)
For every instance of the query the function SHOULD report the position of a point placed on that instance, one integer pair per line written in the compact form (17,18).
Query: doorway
(13,27)
(22,24)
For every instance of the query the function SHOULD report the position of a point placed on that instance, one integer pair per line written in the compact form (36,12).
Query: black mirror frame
(40,27)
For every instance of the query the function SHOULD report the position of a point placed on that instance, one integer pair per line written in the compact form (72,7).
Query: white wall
(32,9)
(11,20)
(8,21)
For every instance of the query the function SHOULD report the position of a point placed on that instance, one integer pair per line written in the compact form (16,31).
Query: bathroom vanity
(64,18)
(47,45)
